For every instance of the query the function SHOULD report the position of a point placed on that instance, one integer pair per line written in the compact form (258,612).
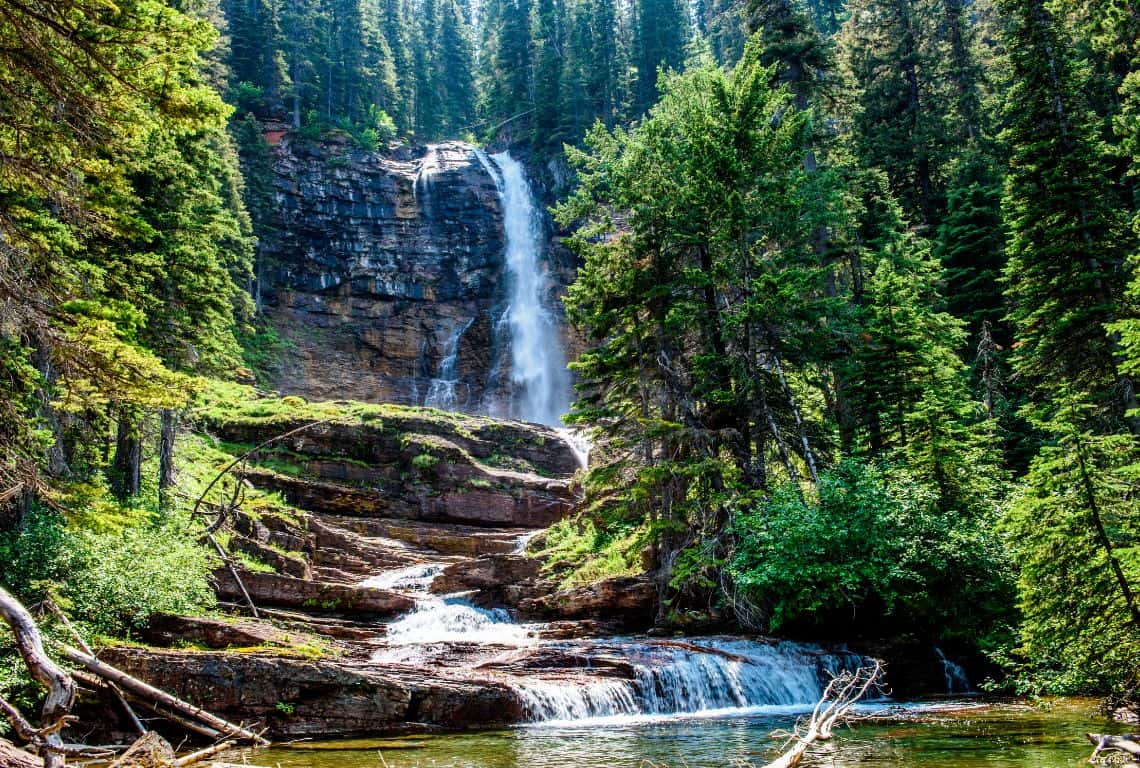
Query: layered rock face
(386,270)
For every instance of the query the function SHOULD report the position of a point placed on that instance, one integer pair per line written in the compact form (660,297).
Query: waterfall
(691,678)
(441,390)
(539,377)
(956,679)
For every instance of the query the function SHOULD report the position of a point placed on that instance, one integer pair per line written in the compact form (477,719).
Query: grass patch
(577,552)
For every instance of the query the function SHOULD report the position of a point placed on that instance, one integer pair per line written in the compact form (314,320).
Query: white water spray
(442,390)
(709,676)
(539,377)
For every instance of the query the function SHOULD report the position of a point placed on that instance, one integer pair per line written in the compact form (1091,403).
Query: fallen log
(146,691)
(1103,742)
(131,714)
(60,687)
(12,756)
(97,683)
(203,754)
(840,695)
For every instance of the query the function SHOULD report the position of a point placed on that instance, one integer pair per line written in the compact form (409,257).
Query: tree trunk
(127,466)
(166,477)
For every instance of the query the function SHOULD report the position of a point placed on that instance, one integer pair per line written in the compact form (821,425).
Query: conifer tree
(550,39)
(1066,245)
(662,37)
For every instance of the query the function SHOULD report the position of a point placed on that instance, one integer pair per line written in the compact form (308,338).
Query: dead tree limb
(131,715)
(203,754)
(241,460)
(1126,743)
(97,683)
(60,687)
(841,694)
(144,690)
(224,510)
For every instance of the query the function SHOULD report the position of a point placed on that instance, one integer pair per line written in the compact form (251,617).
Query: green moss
(577,552)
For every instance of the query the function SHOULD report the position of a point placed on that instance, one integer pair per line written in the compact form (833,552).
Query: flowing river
(975,736)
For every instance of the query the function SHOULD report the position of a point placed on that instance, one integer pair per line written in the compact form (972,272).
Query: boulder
(631,599)
(288,592)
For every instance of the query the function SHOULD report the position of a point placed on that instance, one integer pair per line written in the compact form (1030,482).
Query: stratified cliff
(383,268)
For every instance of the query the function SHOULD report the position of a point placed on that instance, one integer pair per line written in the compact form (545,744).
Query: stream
(976,735)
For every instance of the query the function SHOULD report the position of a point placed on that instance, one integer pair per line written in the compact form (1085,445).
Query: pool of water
(992,735)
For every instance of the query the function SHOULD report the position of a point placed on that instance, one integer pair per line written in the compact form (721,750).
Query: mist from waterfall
(540,381)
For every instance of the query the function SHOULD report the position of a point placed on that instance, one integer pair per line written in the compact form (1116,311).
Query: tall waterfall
(539,378)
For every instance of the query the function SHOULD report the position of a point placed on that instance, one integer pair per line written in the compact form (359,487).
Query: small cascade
(559,702)
(442,389)
(956,679)
(454,620)
(421,188)
(579,443)
(415,579)
(539,377)
(690,678)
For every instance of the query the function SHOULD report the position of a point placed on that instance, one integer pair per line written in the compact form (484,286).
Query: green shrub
(867,547)
(111,580)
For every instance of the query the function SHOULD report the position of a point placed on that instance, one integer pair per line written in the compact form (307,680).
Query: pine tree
(1066,243)
(550,40)
(897,124)
(662,35)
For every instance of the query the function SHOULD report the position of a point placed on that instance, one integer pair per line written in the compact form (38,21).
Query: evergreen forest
(856,300)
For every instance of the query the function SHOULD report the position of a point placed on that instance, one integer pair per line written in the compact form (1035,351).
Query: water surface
(994,736)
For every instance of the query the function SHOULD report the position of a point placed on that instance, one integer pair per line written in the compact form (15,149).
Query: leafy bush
(871,547)
(110,580)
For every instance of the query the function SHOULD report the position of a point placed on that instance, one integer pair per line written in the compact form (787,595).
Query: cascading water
(691,678)
(956,679)
(620,677)
(539,377)
(442,392)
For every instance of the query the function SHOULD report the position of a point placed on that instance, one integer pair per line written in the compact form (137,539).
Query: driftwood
(146,691)
(149,751)
(838,698)
(131,715)
(12,756)
(203,754)
(96,683)
(1126,743)
(60,687)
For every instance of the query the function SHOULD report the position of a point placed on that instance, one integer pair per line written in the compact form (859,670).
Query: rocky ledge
(326,697)
(382,266)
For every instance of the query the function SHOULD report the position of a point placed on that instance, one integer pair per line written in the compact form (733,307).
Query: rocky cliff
(385,269)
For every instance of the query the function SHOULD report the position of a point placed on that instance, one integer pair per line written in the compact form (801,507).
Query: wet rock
(488,572)
(286,591)
(443,538)
(631,599)
(296,698)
